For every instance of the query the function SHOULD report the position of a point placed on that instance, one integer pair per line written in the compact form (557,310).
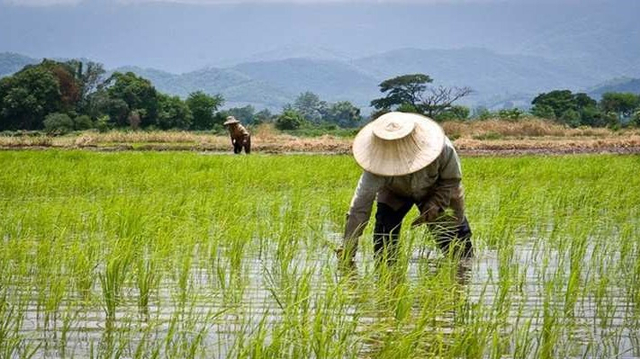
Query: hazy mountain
(616,85)
(10,63)
(498,80)
(331,80)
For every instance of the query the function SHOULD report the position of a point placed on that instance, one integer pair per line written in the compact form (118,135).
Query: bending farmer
(407,160)
(239,135)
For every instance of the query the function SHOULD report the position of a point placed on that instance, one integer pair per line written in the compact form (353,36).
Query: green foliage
(27,97)
(171,246)
(137,92)
(543,111)
(571,118)
(173,113)
(203,108)
(567,108)
(244,114)
(82,122)
(482,113)
(635,120)
(290,119)
(408,93)
(344,114)
(58,123)
(103,123)
(454,113)
(310,106)
(558,101)
(622,103)
(512,114)
(263,116)
(405,89)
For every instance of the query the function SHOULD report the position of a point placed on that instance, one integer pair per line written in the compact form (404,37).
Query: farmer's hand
(428,215)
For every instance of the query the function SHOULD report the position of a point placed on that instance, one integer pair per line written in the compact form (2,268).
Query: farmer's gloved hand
(428,214)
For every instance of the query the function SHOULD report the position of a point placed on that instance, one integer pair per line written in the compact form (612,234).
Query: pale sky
(209,2)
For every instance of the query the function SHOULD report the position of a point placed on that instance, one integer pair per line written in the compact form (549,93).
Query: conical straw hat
(398,143)
(230,120)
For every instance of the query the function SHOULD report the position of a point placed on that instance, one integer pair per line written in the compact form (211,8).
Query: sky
(208,2)
(178,37)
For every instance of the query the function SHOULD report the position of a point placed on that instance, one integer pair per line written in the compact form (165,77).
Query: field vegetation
(470,137)
(181,254)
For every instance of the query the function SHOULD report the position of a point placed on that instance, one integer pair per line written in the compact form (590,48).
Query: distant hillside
(498,80)
(617,85)
(488,73)
(10,63)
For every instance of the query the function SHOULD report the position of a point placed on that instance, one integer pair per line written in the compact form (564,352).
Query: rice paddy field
(188,255)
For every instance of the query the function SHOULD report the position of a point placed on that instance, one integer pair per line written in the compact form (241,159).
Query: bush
(58,123)
(289,120)
(635,120)
(102,124)
(82,122)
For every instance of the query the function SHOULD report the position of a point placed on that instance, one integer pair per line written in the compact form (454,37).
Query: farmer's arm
(447,188)
(360,209)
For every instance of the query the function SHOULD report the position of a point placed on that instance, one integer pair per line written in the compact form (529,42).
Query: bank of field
(144,254)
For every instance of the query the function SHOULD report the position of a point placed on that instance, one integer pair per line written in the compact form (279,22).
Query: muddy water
(222,309)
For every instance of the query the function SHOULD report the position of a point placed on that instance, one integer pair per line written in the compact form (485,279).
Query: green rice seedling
(141,251)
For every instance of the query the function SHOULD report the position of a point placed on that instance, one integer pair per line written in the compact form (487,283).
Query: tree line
(60,97)
(413,93)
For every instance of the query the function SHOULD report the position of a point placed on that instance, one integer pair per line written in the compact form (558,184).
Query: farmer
(240,137)
(407,160)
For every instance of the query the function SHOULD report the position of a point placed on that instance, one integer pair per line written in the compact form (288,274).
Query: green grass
(187,255)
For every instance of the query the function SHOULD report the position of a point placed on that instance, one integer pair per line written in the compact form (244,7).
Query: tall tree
(622,103)
(173,113)
(344,114)
(138,93)
(27,97)
(412,93)
(309,105)
(203,108)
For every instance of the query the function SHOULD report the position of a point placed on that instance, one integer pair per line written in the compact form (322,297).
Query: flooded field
(120,255)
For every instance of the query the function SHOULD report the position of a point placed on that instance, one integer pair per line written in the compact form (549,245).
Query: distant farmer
(407,160)
(239,135)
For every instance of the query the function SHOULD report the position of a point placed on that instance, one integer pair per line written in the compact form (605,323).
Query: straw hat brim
(418,146)
(230,122)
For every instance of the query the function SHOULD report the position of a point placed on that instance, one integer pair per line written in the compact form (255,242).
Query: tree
(559,101)
(138,93)
(635,120)
(203,108)
(622,103)
(411,93)
(562,106)
(58,123)
(454,113)
(344,114)
(571,118)
(290,119)
(173,113)
(27,97)
(263,116)
(543,111)
(310,106)
(243,114)
(90,77)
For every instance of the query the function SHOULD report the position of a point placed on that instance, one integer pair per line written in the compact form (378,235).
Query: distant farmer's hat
(398,143)
(230,121)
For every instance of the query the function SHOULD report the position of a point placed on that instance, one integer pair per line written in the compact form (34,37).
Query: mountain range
(498,80)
